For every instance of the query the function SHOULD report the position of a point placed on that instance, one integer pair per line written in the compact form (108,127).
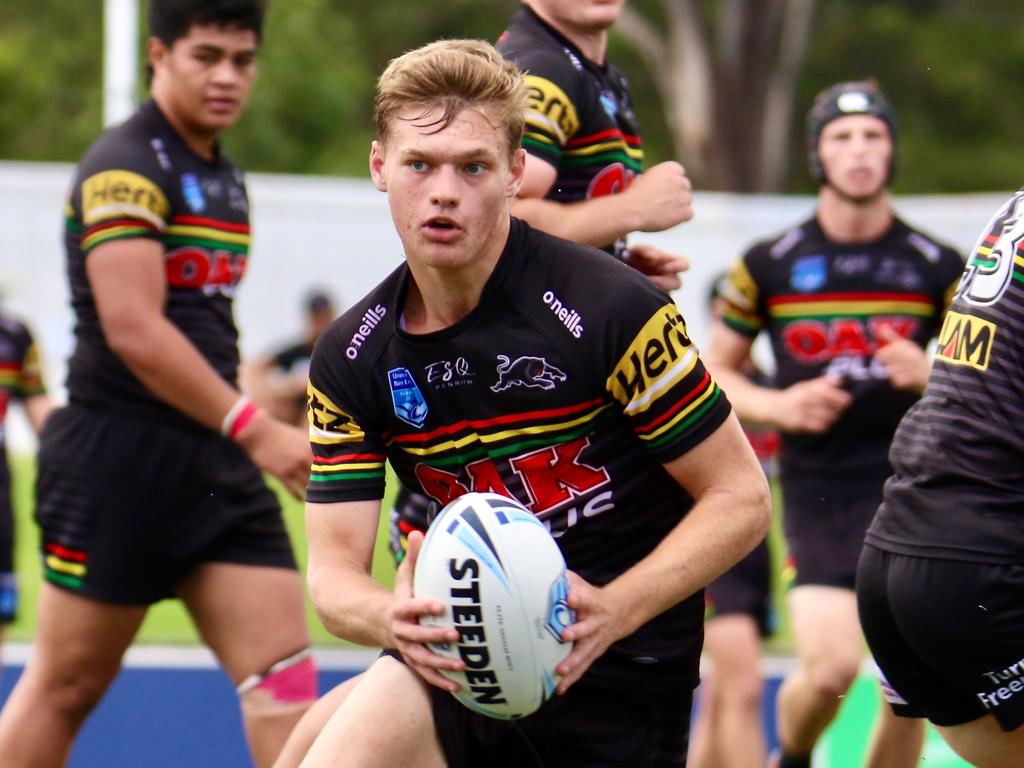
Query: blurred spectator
(278,381)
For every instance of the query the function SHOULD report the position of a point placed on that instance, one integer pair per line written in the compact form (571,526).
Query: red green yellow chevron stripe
(116,229)
(501,436)
(347,466)
(828,305)
(212,234)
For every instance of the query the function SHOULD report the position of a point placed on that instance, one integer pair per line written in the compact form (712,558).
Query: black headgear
(856,98)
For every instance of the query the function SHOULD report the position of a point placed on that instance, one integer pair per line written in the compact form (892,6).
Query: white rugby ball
(502,580)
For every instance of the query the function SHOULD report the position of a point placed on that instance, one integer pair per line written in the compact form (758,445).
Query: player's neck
(202,143)
(440,298)
(844,220)
(592,44)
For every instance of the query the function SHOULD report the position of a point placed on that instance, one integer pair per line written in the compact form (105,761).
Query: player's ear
(377,166)
(517,172)
(156,52)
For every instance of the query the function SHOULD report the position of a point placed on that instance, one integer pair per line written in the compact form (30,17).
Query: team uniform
(580,120)
(942,574)
(824,304)
(567,406)
(20,379)
(133,494)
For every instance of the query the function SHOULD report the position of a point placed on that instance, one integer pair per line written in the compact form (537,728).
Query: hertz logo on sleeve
(123,194)
(966,340)
(660,355)
(550,109)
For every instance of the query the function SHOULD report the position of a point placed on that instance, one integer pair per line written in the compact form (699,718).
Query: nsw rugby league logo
(410,405)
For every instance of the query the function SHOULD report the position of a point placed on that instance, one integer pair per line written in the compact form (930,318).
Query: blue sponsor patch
(611,106)
(410,406)
(193,192)
(809,273)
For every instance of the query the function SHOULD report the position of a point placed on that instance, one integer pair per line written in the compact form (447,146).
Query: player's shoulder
(359,335)
(539,53)
(933,250)
(130,147)
(782,246)
(580,287)
(13,328)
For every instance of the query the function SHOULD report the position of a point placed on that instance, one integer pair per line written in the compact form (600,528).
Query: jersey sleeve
(119,198)
(658,379)
(30,375)
(348,454)
(552,116)
(741,295)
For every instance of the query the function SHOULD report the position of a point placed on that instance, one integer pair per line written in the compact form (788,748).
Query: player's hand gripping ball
(502,580)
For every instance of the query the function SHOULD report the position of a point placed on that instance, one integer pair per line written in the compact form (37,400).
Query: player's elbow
(128,336)
(756,501)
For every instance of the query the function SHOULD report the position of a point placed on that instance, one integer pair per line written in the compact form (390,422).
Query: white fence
(337,234)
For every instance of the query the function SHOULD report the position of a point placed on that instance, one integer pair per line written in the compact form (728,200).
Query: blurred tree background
(722,85)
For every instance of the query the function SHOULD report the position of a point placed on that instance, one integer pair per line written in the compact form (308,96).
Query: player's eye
(475,169)
(418,165)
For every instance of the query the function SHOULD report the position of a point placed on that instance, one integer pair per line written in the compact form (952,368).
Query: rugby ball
(502,580)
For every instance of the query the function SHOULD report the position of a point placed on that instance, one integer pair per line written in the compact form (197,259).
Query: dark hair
(863,97)
(171,20)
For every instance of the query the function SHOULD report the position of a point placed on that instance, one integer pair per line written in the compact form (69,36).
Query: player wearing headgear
(942,572)
(849,299)
(600,419)
(150,481)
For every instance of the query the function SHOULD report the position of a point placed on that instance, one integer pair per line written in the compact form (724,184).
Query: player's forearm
(170,367)
(599,221)
(351,604)
(752,403)
(724,525)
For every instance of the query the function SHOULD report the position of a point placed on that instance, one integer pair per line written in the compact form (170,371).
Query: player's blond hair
(452,75)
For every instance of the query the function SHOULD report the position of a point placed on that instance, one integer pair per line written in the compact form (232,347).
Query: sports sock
(794,761)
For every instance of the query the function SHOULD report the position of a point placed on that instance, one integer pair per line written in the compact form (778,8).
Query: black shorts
(744,589)
(947,635)
(591,726)
(825,526)
(128,508)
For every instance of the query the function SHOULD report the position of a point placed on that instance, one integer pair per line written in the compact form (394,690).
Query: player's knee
(832,678)
(287,687)
(742,691)
(76,693)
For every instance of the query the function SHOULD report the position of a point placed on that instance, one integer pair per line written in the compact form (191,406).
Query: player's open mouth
(442,224)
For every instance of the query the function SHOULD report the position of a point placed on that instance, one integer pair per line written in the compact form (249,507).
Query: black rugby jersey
(21,375)
(139,180)
(580,117)
(566,388)
(958,457)
(823,304)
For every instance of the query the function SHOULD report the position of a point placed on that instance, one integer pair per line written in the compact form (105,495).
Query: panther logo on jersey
(990,269)
(526,371)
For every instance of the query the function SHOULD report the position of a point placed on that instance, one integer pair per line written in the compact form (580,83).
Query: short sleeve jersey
(824,305)
(139,180)
(541,393)
(20,371)
(580,117)
(958,488)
